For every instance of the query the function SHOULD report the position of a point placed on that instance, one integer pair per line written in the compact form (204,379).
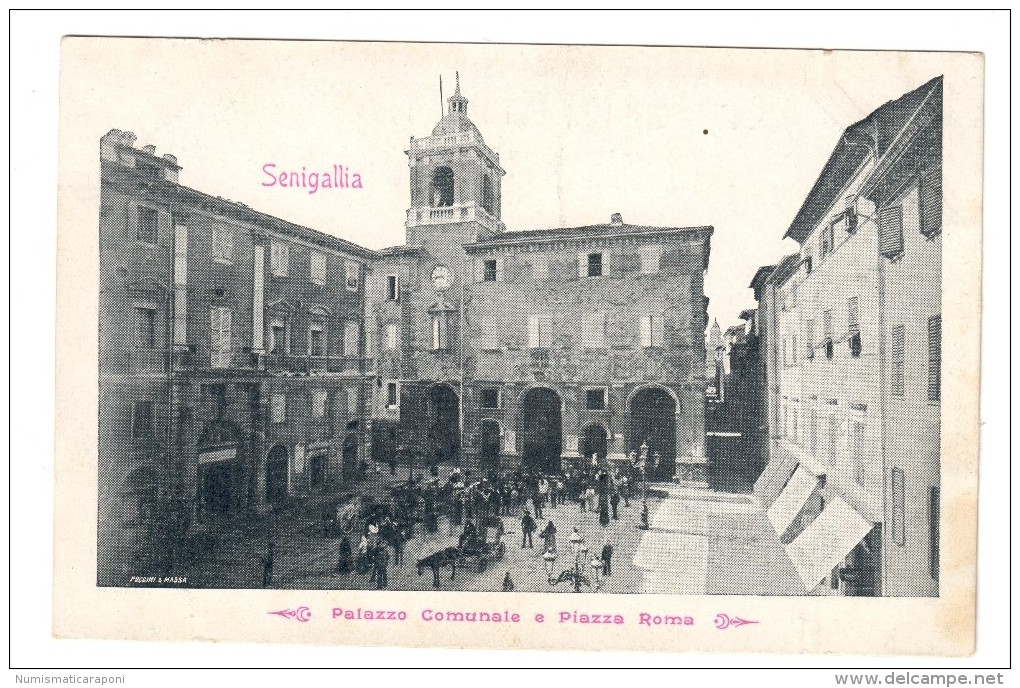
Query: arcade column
(691,464)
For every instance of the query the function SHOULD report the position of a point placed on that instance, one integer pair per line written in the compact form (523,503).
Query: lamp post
(596,569)
(574,574)
(643,466)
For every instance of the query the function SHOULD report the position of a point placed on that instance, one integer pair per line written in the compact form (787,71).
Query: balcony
(463,212)
(464,138)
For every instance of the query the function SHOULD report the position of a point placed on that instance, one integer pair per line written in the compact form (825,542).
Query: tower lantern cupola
(458,103)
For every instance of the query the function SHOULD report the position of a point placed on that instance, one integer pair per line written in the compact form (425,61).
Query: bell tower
(455,182)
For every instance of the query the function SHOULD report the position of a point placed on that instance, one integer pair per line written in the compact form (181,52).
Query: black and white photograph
(646,324)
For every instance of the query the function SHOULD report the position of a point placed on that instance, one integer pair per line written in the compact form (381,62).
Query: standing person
(614,501)
(343,564)
(528,527)
(508,583)
(625,490)
(543,491)
(393,464)
(607,559)
(382,561)
(549,536)
(536,499)
(267,566)
(554,492)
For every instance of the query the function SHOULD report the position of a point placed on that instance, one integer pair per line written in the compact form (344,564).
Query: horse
(444,557)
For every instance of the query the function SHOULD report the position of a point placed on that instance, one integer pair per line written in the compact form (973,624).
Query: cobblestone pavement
(699,542)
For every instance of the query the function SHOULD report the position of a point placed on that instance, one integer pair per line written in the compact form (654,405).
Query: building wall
(674,291)
(180,413)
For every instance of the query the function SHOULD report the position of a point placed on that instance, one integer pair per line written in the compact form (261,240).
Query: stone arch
(442,423)
(595,438)
(441,188)
(540,428)
(652,385)
(277,473)
(490,442)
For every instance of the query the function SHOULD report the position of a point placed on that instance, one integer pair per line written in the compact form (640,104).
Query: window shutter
(935,358)
(657,324)
(582,264)
(534,340)
(499,269)
(479,270)
(898,343)
(931,202)
(646,330)
(890,231)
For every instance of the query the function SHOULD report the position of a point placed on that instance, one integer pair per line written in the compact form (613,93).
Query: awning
(770,483)
(789,503)
(824,543)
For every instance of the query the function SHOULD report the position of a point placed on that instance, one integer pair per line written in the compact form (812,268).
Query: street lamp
(642,465)
(596,569)
(574,574)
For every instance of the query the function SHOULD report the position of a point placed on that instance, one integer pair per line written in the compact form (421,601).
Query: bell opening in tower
(442,187)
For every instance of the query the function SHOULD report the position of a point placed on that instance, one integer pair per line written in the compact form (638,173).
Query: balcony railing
(463,212)
(443,141)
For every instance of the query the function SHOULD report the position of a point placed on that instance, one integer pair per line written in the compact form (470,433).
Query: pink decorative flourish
(724,621)
(302,614)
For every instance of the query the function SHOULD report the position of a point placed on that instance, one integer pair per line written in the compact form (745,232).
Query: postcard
(518,346)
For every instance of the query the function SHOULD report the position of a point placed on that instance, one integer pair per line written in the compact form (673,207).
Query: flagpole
(441,113)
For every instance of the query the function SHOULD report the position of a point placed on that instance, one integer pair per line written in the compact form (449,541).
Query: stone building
(499,348)
(232,365)
(854,361)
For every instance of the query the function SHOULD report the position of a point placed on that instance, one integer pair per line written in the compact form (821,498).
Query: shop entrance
(541,430)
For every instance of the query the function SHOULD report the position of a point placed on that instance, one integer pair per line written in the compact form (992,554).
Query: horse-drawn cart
(479,548)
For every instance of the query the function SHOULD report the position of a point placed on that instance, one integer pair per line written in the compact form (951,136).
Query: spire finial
(457,90)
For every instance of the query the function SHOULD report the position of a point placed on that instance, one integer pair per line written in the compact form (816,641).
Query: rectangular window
(145,328)
(148,225)
(890,231)
(853,318)
(650,258)
(935,358)
(809,339)
(392,288)
(352,339)
(595,400)
(539,267)
(318,268)
(391,395)
(827,334)
(897,360)
(813,431)
(593,330)
(319,403)
(828,240)
(220,345)
(441,331)
(277,338)
(857,450)
(931,202)
(142,420)
(490,398)
(223,243)
(594,265)
(316,341)
(278,408)
(651,330)
(279,258)
(490,334)
(539,331)
(352,275)
(899,533)
(489,271)
(933,532)
(390,336)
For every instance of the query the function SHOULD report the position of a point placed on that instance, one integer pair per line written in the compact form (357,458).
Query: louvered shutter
(656,330)
(499,269)
(582,264)
(479,270)
(646,330)
(606,263)
(897,362)
(935,358)
(545,331)
(931,202)
(534,340)
(890,231)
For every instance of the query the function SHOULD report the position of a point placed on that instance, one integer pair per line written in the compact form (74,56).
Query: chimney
(151,150)
(616,219)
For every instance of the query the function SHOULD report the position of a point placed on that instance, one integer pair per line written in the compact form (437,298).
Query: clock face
(442,278)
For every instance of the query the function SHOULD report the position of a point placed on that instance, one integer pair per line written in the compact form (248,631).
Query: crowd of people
(465,502)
